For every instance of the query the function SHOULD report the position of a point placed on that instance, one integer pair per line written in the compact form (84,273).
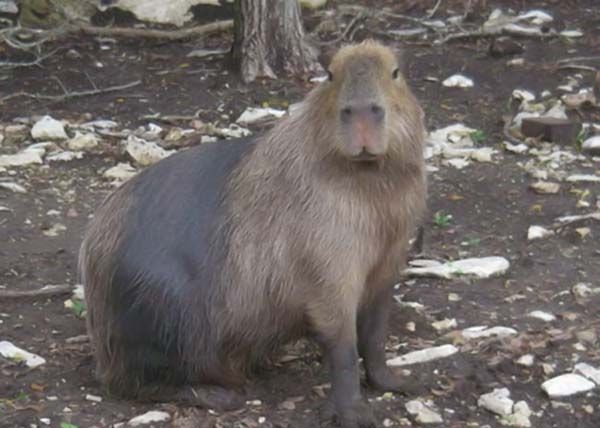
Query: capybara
(204,263)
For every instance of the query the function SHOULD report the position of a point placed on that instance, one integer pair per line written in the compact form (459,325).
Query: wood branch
(171,35)
(487,33)
(47,291)
(67,95)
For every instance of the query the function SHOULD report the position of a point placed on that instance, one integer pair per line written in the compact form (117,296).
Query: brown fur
(311,240)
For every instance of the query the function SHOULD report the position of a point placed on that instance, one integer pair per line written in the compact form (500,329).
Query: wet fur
(201,265)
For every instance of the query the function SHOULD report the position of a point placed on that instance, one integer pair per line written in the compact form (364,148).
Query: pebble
(526,360)
(590,372)
(94,398)
(484,267)
(545,187)
(519,417)
(12,186)
(253,114)
(22,158)
(458,81)
(145,152)
(10,351)
(424,413)
(498,401)
(48,128)
(149,417)
(65,156)
(82,141)
(444,324)
(591,146)
(479,332)
(541,315)
(120,172)
(538,232)
(423,355)
(566,385)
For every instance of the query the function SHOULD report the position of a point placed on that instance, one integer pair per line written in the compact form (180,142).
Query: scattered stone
(520,416)
(48,128)
(205,53)
(208,139)
(121,172)
(27,156)
(498,401)
(93,398)
(479,332)
(253,115)
(55,230)
(552,129)
(526,360)
(411,326)
(423,413)
(538,232)
(545,187)
(584,98)
(423,355)
(65,156)
(234,131)
(145,152)
(523,95)
(541,315)
(588,371)
(583,232)
(484,267)
(591,146)
(9,7)
(149,417)
(458,81)
(444,324)
(12,186)
(587,178)
(571,33)
(566,385)
(10,351)
(82,141)
(78,292)
(516,148)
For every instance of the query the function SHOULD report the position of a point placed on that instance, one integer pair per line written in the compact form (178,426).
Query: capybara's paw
(355,415)
(211,397)
(386,380)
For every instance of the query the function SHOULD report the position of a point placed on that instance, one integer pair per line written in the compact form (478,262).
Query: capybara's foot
(386,380)
(355,415)
(211,397)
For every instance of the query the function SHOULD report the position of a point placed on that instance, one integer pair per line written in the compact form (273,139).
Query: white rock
(592,145)
(27,156)
(64,156)
(588,178)
(571,33)
(590,372)
(9,7)
(234,131)
(479,332)
(55,230)
(48,128)
(100,124)
(313,4)
(149,417)
(423,413)
(78,292)
(523,95)
(94,398)
(175,12)
(518,119)
(145,152)
(458,81)
(254,114)
(208,139)
(557,111)
(585,290)
(121,172)
(537,17)
(526,360)
(498,401)
(12,186)
(444,324)
(545,187)
(538,232)
(522,30)
(458,163)
(520,416)
(566,385)
(516,148)
(82,141)
(541,315)
(478,267)
(10,351)
(423,355)
(457,133)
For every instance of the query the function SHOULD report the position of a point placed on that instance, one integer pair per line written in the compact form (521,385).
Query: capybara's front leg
(372,335)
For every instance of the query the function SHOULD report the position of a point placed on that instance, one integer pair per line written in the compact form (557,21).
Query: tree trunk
(269,38)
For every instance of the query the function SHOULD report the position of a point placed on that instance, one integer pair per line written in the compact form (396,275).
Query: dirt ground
(490,204)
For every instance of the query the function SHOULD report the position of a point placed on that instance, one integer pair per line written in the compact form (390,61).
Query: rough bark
(270,39)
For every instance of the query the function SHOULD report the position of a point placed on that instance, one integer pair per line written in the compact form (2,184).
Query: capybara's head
(369,103)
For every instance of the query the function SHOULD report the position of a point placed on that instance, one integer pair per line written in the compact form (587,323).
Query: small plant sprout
(441,219)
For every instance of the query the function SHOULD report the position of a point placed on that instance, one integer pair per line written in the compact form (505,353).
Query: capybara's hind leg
(205,396)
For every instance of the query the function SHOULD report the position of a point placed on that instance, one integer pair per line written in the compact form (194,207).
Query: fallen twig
(67,95)
(47,291)
(37,61)
(489,33)
(434,10)
(578,58)
(186,33)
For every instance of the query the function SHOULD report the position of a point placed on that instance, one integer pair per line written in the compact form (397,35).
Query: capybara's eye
(396,73)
